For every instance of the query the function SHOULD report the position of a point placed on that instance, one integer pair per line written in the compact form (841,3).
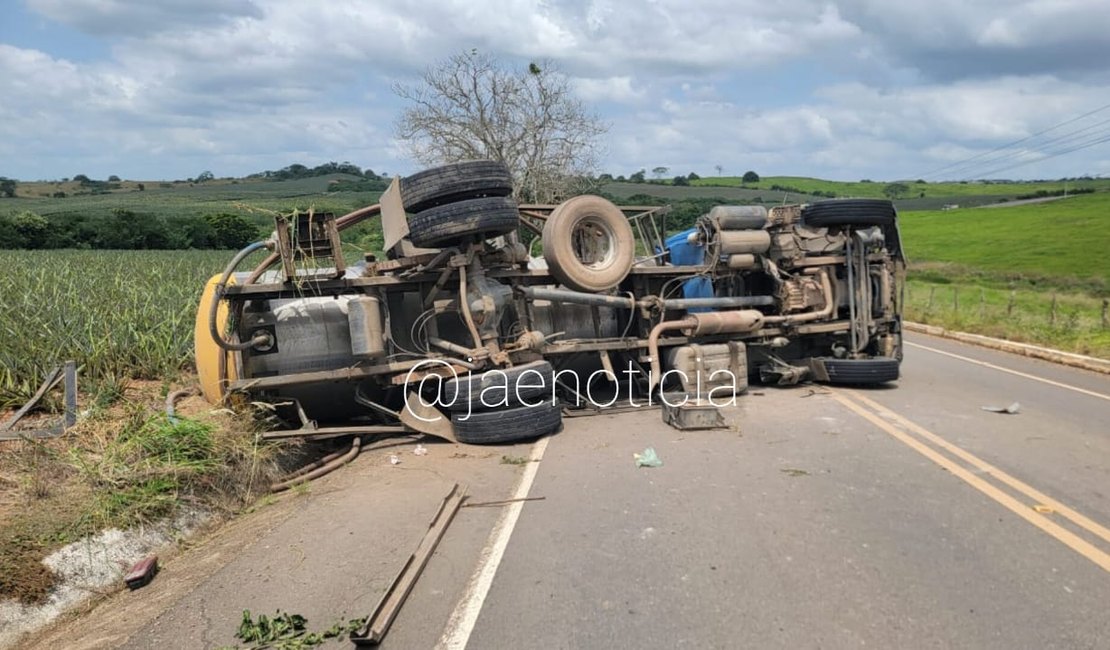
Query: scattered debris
(420,450)
(394,459)
(288,631)
(377,624)
(692,414)
(793,471)
(68,372)
(503,502)
(648,458)
(141,573)
(515,460)
(1011,409)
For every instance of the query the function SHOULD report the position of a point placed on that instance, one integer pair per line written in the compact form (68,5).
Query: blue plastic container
(683,253)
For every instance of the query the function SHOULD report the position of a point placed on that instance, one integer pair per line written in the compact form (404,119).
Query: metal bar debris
(377,624)
(51,380)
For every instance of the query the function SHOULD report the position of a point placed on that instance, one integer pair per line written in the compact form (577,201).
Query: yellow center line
(1011,371)
(986,467)
(1063,535)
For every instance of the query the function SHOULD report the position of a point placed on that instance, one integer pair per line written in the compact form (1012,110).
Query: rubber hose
(335,463)
(218,295)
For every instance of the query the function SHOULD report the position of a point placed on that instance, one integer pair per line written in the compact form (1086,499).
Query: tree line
(127,230)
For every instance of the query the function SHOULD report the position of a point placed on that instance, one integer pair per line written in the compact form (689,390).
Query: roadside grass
(123,466)
(1023,314)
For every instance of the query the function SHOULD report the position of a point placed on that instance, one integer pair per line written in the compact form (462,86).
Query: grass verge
(122,466)
(1069,321)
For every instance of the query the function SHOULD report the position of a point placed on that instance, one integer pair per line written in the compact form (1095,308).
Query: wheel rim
(594,243)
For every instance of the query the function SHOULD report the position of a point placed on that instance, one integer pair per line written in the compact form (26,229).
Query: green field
(256,198)
(874,189)
(119,314)
(921,196)
(1063,243)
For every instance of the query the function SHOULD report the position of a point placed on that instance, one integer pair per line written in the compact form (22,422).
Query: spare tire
(508,425)
(456,182)
(588,244)
(527,383)
(443,224)
(849,212)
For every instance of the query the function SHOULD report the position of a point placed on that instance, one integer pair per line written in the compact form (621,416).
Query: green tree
(204,177)
(231,230)
(113,179)
(692,177)
(7,187)
(660,171)
(638,177)
(30,229)
(680,181)
(895,190)
(750,177)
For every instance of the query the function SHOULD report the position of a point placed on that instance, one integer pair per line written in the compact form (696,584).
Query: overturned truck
(494,317)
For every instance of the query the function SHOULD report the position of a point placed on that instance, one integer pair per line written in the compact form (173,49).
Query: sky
(845,90)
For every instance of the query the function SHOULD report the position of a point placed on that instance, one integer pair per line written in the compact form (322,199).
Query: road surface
(821,518)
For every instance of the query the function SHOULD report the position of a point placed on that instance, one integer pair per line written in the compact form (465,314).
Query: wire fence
(1069,321)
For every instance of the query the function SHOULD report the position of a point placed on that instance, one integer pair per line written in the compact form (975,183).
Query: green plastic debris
(648,458)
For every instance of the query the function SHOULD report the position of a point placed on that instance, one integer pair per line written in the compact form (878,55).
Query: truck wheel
(588,244)
(532,382)
(878,370)
(456,182)
(443,224)
(508,425)
(849,212)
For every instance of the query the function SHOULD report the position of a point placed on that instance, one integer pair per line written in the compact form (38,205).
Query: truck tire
(588,244)
(465,393)
(456,182)
(496,215)
(849,212)
(878,370)
(508,425)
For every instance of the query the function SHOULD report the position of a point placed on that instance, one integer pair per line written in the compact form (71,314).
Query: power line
(1009,145)
(1105,137)
(1046,145)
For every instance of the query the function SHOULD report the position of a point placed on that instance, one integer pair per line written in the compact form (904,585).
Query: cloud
(847,88)
(955,39)
(141,17)
(851,130)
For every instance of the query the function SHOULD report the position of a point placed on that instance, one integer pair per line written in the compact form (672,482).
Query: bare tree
(472,106)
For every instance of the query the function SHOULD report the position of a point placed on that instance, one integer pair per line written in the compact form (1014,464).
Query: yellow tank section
(208,354)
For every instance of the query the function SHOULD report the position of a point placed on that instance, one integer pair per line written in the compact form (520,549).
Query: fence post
(1010,305)
(982,303)
(1105,308)
(955,299)
(1052,319)
(932,292)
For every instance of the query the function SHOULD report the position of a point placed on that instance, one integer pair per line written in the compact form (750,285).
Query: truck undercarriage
(465,321)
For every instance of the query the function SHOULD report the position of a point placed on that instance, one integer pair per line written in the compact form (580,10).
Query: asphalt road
(899,517)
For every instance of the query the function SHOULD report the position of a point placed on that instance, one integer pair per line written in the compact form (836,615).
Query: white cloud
(247,85)
(609,89)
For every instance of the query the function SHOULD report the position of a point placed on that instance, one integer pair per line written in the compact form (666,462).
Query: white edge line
(1012,372)
(457,633)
